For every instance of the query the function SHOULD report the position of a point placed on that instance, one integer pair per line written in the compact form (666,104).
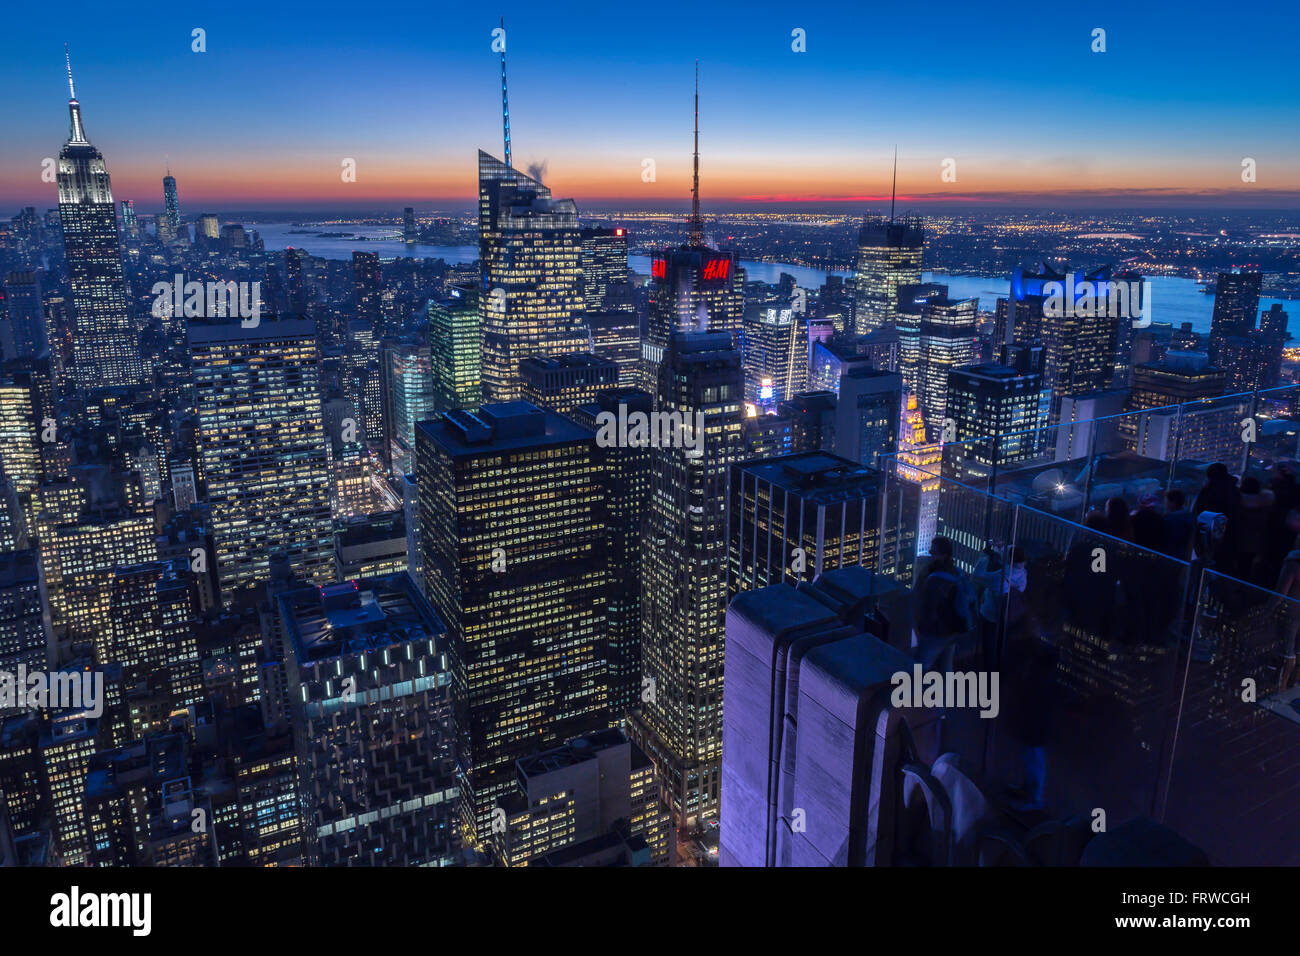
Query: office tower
(106,345)
(775,346)
(362,380)
(592,801)
(998,411)
(414,539)
(866,415)
(171,204)
(79,552)
(66,746)
(26,314)
(799,515)
(262,447)
(373,724)
(1252,357)
(409,231)
(684,577)
(918,467)
(694,288)
(412,397)
(23,420)
(21,784)
(812,420)
(530,252)
(1078,328)
(22,631)
(454,350)
(626,476)
(149,621)
(514,521)
(208,228)
(935,335)
(889,256)
(233,237)
(370,546)
(766,436)
(298,293)
(1205,431)
(616,336)
(563,382)
(130,224)
(367,290)
(604,270)
(813,748)
(1180,378)
(1236,302)
(829,360)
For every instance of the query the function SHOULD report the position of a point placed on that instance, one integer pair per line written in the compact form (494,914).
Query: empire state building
(106,346)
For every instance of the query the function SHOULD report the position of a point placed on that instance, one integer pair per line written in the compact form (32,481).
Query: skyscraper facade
(794,517)
(106,343)
(263,448)
(889,255)
(454,350)
(684,576)
(935,335)
(513,517)
(530,256)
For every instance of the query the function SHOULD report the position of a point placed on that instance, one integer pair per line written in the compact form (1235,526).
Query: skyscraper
(935,335)
(866,415)
(889,256)
(368,289)
(684,574)
(373,724)
(626,474)
(263,447)
(26,314)
(604,269)
(530,255)
(794,517)
(105,342)
(171,204)
(1236,301)
(775,345)
(563,382)
(454,350)
(998,411)
(694,287)
(1079,331)
(513,517)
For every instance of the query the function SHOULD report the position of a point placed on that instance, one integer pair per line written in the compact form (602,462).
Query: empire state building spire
(74,108)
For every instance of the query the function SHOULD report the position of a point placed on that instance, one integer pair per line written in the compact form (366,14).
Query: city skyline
(416,96)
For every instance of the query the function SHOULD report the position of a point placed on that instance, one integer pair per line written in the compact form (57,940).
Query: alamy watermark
(1108,298)
(653,429)
(211,299)
(61,690)
(949,690)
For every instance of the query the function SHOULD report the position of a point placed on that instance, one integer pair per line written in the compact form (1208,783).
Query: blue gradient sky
(410,90)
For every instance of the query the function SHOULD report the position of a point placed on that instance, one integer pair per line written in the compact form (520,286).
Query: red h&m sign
(659,268)
(716,269)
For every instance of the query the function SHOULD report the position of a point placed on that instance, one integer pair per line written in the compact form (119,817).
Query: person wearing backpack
(946,603)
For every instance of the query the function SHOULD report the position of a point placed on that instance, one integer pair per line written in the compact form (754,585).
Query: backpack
(958,612)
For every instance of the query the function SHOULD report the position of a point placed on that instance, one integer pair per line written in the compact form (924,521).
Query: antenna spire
(697,227)
(74,108)
(505,99)
(67,58)
(893,190)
